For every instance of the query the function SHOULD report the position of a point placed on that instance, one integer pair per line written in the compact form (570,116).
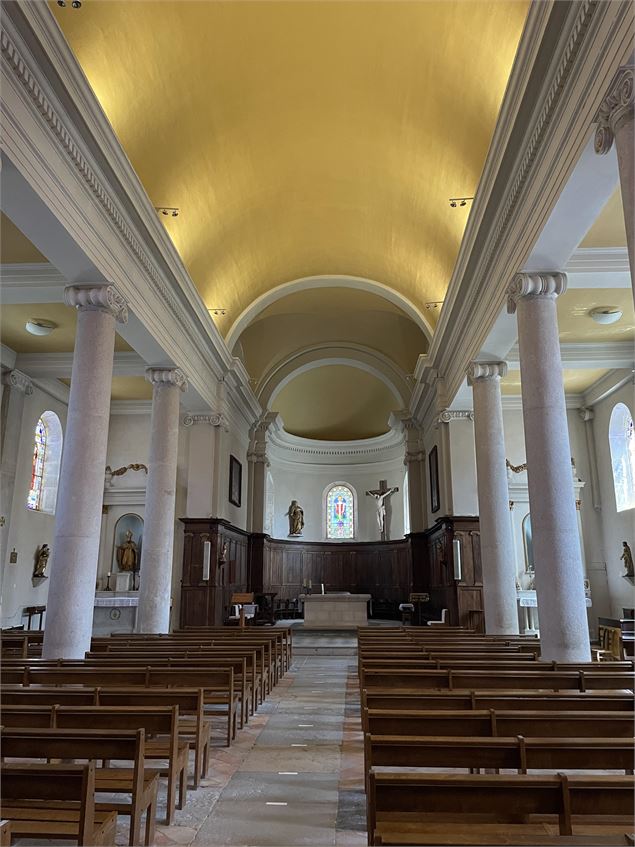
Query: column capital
(166,376)
(616,109)
(97,298)
(486,370)
(18,380)
(586,414)
(212,419)
(535,284)
(448,415)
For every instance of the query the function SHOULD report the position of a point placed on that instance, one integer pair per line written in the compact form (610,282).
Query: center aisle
(297,769)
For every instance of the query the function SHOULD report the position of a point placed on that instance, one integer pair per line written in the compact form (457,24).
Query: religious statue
(296,518)
(627,558)
(41,561)
(381,494)
(128,554)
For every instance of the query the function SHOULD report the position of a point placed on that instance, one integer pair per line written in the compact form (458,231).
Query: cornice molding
(60,365)
(32,283)
(57,135)
(567,54)
(131,407)
(592,354)
(282,446)
(598,260)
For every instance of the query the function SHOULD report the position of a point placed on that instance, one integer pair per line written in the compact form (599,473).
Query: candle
(310,584)
(109,574)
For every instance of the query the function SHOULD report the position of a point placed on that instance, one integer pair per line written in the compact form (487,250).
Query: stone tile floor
(293,776)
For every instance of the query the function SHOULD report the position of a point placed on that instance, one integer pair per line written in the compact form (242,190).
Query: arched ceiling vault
(303,138)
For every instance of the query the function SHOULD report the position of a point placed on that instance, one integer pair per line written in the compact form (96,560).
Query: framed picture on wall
(433,459)
(235,481)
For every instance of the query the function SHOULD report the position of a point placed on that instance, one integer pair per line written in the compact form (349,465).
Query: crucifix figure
(381,494)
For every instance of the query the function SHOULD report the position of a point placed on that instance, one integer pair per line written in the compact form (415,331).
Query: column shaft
(75,548)
(564,631)
(497,546)
(158,531)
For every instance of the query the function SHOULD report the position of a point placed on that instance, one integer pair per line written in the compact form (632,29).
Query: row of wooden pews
(470,740)
(151,704)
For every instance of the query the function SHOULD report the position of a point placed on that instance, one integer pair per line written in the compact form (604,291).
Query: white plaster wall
(307,483)
(235,444)
(616,526)
(463,461)
(431,440)
(28,529)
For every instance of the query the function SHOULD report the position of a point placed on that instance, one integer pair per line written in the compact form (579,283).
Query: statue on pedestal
(128,554)
(627,558)
(296,518)
(41,561)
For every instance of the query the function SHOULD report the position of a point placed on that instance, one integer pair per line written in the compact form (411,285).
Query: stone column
(75,547)
(158,530)
(615,123)
(497,546)
(16,387)
(564,630)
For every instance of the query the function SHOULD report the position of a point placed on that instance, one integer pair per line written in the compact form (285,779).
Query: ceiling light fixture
(217,311)
(168,211)
(39,326)
(605,314)
(459,201)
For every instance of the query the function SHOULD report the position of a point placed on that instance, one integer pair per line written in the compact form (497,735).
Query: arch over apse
(327,281)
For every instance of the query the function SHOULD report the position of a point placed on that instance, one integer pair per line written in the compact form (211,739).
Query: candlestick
(108,588)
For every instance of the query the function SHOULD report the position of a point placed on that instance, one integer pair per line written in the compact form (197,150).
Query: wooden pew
(520,665)
(493,722)
(56,801)
(141,783)
(481,679)
(5,833)
(414,808)
(403,700)
(519,753)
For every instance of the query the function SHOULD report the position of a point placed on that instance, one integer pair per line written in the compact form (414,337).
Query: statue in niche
(296,518)
(41,561)
(128,554)
(627,558)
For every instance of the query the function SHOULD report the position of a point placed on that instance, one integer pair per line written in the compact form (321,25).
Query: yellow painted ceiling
(303,138)
(573,315)
(15,248)
(609,229)
(127,388)
(335,402)
(576,380)
(61,340)
(331,315)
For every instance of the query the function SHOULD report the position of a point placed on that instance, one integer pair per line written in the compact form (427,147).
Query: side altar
(335,611)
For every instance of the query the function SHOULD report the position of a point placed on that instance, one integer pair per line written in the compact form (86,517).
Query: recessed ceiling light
(605,314)
(39,326)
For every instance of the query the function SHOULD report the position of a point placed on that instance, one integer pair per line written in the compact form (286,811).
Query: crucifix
(381,494)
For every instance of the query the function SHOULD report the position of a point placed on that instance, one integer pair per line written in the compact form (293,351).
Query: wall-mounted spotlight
(168,211)
(217,311)
(75,4)
(459,201)
(433,304)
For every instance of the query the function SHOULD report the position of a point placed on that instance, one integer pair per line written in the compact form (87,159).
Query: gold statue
(296,518)
(128,554)
(627,558)
(42,560)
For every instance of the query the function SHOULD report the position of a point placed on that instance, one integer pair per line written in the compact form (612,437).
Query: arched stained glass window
(622,445)
(45,468)
(340,512)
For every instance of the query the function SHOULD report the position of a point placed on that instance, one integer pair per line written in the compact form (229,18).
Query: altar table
(335,611)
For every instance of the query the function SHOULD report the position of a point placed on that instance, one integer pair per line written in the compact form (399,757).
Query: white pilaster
(258,464)
(16,386)
(587,416)
(155,572)
(564,631)
(497,546)
(615,123)
(415,462)
(75,548)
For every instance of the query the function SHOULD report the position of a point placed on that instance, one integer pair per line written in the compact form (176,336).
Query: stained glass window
(340,512)
(622,444)
(34,500)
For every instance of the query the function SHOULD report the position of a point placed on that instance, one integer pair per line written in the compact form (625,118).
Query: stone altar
(335,611)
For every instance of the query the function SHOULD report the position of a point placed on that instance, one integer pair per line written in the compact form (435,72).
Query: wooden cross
(381,494)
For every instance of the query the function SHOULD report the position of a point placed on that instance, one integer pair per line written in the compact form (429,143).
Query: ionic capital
(486,370)
(414,456)
(18,380)
(166,377)
(538,284)
(97,298)
(448,415)
(586,414)
(615,111)
(211,420)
